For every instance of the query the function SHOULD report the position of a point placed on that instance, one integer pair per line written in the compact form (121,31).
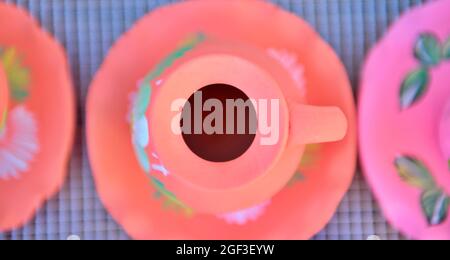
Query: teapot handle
(316,124)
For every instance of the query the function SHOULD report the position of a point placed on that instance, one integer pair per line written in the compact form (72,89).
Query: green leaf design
(310,155)
(142,157)
(435,204)
(428,49)
(413,87)
(18,75)
(140,107)
(298,177)
(414,172)
(169,199)
(189,44)
(142,100)
(446,49)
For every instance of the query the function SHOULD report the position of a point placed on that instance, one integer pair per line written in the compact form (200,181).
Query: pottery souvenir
(404,122)
(163,174)
(36,116)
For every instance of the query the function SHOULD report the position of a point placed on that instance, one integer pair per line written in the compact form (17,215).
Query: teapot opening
(219,123)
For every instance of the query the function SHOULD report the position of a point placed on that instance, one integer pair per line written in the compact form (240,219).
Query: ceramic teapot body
(243,168)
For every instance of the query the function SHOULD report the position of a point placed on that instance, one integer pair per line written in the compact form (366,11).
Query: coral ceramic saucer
(37,125)
(140,202)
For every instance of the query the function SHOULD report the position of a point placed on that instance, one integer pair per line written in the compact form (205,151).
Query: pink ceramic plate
(404,125)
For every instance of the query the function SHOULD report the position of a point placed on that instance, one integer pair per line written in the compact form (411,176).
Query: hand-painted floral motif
(446,50)
(18,130)
(18,143)
(429,52)
(290,62)
(242,217)
(139,124)
(169,199)
(18,75)
(310,158)
(434,201)
(140,131)
(141,102)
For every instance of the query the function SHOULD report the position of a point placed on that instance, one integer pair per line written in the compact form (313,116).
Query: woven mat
(88,28)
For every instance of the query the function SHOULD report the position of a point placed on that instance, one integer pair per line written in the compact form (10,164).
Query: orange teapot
(221,171)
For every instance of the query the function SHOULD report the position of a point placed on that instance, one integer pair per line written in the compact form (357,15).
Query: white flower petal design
(141,138)
(140,132)
(289,61)
(241,217)
(161,169)
(18,143)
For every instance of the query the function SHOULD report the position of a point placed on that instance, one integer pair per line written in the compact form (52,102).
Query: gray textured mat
(88,28)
